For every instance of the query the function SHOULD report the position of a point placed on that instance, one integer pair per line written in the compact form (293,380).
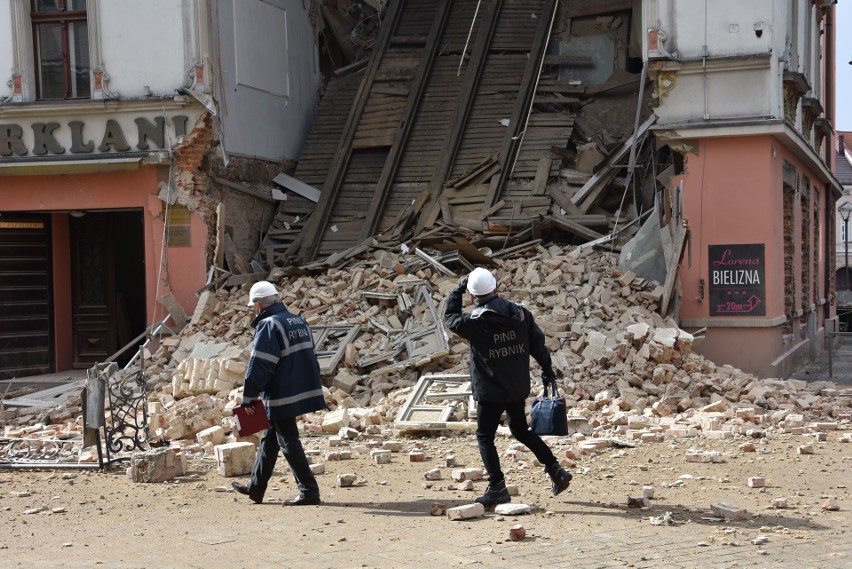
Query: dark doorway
(108,284)
(26,339)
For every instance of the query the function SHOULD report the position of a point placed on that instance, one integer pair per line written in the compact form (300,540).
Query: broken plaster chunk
(757,482)
(437,509)
(703,456)
(512,509)
(779,503)
(667,519)
(638,502)
(346,480)
(381,456)
(462,474)
(830,505)
(466,512)
(805,449)
(317,468)
(730,511)
(434,474)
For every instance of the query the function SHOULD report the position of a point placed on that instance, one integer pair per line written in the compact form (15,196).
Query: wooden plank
(319,219)
(244,189)
(297,186)
(462,110)
(412,104)
(573,227)
(606,171)
(671,274)
(485,213)
(541,176)
(523,102)
(175,310)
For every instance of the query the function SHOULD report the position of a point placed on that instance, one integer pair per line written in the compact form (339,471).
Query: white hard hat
(261,289)
(481,282)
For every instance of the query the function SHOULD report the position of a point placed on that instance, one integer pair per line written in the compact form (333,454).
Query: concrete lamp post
(845,210)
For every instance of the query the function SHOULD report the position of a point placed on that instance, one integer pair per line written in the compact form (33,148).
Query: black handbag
(548,415)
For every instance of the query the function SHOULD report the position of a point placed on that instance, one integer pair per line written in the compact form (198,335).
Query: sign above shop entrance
(97,135)
(737,280)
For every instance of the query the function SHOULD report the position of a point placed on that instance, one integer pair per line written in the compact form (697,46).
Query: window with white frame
(61,49)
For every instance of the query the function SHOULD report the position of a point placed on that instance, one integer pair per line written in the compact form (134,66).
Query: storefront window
(61,38)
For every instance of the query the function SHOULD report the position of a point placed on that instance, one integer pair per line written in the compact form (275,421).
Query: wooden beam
(541,176)
(671,274)
(412,104)
(605,173)
(294,185)
(523,103)
(458,122)
(315,227)
(244,189)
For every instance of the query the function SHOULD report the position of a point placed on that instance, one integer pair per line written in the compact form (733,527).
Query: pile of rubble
(623,368)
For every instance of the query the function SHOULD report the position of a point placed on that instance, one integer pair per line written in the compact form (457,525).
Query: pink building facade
(744,96)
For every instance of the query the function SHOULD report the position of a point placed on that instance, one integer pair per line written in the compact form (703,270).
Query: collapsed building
(556,144)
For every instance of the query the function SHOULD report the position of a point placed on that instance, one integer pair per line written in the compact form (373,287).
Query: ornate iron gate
(113,400)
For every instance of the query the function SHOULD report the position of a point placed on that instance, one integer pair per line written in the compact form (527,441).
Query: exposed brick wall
(190,175)
(789,259)
(815,272)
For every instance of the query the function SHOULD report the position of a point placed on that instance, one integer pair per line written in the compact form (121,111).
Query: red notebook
(251,424)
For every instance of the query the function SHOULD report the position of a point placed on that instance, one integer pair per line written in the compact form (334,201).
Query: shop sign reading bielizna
(737,280)
(78,137)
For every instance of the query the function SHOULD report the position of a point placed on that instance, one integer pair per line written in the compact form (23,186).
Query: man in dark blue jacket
(283,371)
(502,336)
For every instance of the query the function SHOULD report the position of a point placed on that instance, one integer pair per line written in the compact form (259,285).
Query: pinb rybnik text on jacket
(283,369)
(502,336)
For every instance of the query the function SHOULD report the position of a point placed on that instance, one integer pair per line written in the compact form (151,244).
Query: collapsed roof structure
(506,117)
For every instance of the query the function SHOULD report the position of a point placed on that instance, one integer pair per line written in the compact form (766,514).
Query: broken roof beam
(412,104)
(305,190)
(564,224)
(467,94)
(311,238)
(605,174)
(523,104)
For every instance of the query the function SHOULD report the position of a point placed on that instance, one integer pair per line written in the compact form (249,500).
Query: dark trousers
(282,435)
(488,418)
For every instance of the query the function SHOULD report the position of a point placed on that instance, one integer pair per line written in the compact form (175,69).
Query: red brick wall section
(190,176)
(789,257)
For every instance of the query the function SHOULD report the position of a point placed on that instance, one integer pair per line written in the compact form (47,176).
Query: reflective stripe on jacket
(283,368)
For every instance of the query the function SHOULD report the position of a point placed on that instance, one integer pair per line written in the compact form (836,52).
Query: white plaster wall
(145,43)
(729,28)
(6,60)
(731,87)
(686,102)
(269,98)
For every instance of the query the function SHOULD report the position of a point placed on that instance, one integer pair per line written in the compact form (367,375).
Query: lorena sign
(737,280)
(113,135)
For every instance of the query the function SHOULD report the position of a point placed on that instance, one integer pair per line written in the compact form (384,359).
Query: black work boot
(496,493)
(559,477)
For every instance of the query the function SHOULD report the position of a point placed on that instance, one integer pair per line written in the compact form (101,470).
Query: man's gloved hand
(462,284)
(548,377)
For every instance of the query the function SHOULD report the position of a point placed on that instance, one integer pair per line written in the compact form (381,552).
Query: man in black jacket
(502,336)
